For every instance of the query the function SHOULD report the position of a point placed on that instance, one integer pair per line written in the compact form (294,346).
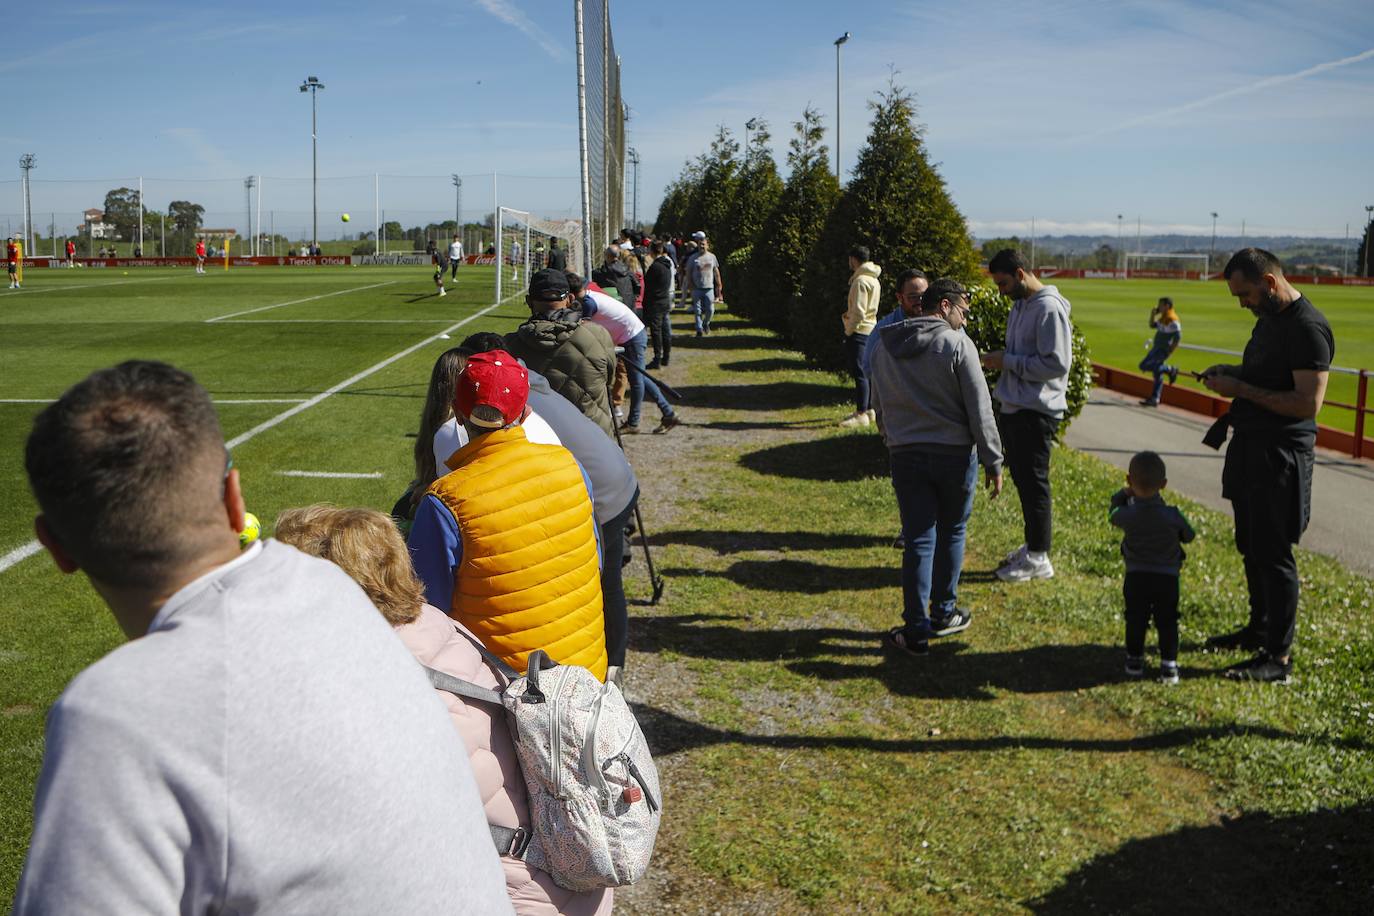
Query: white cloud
(212,159)
(511,15)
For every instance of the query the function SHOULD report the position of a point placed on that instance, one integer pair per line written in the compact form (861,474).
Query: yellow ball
(345,217)
(252,528)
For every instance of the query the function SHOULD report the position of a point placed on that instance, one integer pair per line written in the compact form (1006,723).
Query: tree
(992,246)
(1364,259)
(774,276)
(186,216)
(896,205)
(679,200)
(757,196)
(716,196)
(121,211)
(392,230)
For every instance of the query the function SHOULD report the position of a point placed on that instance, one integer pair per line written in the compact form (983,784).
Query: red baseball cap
(493,379)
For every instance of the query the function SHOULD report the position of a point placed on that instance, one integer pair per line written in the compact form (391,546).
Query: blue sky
(1069,112)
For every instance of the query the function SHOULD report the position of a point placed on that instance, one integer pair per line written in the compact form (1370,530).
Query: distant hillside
(1293,250)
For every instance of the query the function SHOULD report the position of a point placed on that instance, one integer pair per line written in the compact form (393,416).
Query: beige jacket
(864,292)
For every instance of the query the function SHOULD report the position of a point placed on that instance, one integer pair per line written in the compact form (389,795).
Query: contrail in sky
(1256,86)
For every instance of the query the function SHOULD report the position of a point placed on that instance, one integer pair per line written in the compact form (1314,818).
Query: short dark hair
(484,341)
(575,282)
(943,288)
(1165,300)
(908,275)
(1252,264)
(860,252)
(1009,261)
(127,467)
(1147,469)
(658,247)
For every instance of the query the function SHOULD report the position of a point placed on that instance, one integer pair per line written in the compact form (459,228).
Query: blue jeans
(639,382)
(854,346)
(935,498)
(1154,362)
(703,307)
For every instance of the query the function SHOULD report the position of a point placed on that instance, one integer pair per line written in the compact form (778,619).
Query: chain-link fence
(605,123)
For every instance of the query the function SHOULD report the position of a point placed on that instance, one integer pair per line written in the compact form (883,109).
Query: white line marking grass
(53,289)
(33,547)
(333,475)
(338,321)
(263,308)
(216,400)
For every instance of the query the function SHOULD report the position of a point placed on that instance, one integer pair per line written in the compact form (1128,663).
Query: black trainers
(1149,402)
(653,364)
(1263,668)
(1135,666)
(1168,672)
(900,640)
(1173,375)
(1244,638)
(629,429)
(957,622)
(668,423)
(899,542)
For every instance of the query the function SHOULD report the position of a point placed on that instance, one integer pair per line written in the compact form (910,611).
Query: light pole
(1368,236)
(27,162)
(312,86)
(458,205)
(248,184)
(633,155)
(838,41)
(1211,252)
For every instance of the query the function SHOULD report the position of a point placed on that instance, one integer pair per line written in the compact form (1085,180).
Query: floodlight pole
(1119,253)
(633,155)
(458,204)
(27,163)
(248,184)
(1368,236)
(1211,252)
(838,41)
(312,85)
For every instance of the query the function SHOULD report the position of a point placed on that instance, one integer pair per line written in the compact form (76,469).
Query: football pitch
(1113,315)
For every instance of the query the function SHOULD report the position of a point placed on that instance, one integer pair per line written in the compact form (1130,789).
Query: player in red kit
(71,254)
(200,256)
(12,261)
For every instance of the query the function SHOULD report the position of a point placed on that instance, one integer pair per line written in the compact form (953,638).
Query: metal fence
(602,115)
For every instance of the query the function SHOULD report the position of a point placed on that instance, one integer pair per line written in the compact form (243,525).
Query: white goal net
(524,242)
(1167,264)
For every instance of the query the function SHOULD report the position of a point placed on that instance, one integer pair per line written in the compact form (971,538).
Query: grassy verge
(1014,767)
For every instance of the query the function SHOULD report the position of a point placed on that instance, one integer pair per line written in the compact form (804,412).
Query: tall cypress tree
(897,206)
(759,190)
(778,258)
(679,199)
(716,192)
(1364,260)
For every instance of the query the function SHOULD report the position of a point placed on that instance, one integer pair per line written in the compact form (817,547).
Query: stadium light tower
(312,85)
(633,155)
(838,41)
(1368,235)
(1211,252)
(27,163)
(458,204)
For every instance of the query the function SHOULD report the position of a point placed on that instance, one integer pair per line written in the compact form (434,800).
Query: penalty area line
(334,475)
(263,308)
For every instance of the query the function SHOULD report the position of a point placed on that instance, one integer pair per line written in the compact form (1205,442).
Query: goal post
(1179,265)
(522,245)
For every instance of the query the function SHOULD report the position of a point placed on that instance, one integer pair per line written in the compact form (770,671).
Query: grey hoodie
(1039,351)
(929,391)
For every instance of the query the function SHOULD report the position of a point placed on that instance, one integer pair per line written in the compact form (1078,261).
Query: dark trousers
(1151,596)
(934,497)
(660,330)
(1027,437)
(854,345)
(613,607)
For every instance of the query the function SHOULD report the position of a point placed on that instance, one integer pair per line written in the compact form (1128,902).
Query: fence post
(1361,400)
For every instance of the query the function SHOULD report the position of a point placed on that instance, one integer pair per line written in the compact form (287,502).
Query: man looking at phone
(1277,389)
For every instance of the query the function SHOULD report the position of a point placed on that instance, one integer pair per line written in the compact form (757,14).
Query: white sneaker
(872,415)
(1026,569)
(858,418)
(1016,556)
(441,291)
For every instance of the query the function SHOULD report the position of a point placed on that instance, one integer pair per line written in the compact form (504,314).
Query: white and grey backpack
(593,789)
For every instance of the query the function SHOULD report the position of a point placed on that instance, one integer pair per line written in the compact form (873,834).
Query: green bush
(987,326)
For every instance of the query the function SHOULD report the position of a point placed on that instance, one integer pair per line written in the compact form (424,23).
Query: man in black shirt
(1277,389)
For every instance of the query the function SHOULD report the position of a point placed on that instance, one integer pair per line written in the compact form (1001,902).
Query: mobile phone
(1200,376)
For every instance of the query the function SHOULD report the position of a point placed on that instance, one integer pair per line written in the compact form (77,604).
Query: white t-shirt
(705,269)
(619,320)
(455,251)
(453,435)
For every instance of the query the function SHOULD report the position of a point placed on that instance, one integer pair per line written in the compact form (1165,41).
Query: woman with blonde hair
(367,546)
(1168,333)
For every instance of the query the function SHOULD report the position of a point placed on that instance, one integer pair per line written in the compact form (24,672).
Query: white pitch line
(33,547)
(216,400)
(18,554)
(53,289)
(338,321)
(263,308)
(333,475)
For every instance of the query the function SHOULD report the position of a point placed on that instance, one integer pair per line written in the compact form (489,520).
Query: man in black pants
(658,303)
(1278,389)
(1032,391)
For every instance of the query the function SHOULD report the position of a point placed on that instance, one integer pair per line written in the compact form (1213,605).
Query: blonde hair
(363,543)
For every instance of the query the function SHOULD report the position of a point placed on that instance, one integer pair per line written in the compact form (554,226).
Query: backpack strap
(447,682)
(501,667)
(511,841)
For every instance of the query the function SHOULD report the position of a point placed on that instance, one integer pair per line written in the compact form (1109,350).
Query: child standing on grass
(1154,533)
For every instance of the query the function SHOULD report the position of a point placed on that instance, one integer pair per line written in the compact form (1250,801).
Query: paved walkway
(1113,426)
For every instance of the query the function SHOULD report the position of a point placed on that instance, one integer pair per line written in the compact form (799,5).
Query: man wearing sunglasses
(937,422)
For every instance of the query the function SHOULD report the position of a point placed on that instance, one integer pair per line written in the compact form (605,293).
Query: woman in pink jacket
(367,546)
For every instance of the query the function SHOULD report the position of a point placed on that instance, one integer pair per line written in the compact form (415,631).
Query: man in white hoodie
(1032,390)
(860,315)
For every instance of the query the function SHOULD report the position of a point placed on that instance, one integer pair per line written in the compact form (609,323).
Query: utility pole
(458,204)
(1368,236)
(838,42)
(633,155)
(1213,250)
(312,86)
(27,163)
(248,184)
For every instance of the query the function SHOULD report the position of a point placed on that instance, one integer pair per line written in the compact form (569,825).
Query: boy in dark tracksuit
(1151,547)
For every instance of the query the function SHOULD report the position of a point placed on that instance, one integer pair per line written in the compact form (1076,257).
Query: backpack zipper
(555,742)
(589,764)
(639,778)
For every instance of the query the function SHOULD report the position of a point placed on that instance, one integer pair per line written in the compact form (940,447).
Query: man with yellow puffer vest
(859,318)
(507,541)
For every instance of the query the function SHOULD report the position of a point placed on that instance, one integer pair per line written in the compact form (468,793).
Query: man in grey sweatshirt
(264,743)
(1031,389)
(936,418)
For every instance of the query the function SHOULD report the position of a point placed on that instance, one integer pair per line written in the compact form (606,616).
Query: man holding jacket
(937,421)
(1033,392)
(860,315)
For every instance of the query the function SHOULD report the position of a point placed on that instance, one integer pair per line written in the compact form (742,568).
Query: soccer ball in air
(252,528)
(345,217)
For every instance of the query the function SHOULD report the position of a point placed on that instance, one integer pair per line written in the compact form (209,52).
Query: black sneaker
(901,640)
(1173,375)
(1244,638)
(668,423)
(1135,666)
(957,622)
(653,364)
(629,429)
(1263,668)
(899,543)
(1149,402)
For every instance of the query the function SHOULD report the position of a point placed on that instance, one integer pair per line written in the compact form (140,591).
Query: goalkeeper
(441,263)
(1168,333)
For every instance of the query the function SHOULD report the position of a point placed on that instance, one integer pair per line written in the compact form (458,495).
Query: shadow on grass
(769,396)
(799,576)
(688,340)
(771,364)
(1256,863)
(700,635)
(835,458)
(669,733)
(726,542)
(742,425)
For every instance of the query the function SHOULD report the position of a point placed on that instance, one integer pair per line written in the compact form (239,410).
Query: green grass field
(1113,316)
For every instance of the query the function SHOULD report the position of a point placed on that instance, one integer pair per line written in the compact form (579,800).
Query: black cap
(548,285)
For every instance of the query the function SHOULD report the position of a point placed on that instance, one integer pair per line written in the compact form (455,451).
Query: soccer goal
(523,244)
(1164,265)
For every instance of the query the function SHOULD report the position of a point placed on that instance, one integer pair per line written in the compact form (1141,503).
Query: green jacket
(576,356)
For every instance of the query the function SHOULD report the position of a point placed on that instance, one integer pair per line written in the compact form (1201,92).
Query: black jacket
(658,285)
(618,275)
